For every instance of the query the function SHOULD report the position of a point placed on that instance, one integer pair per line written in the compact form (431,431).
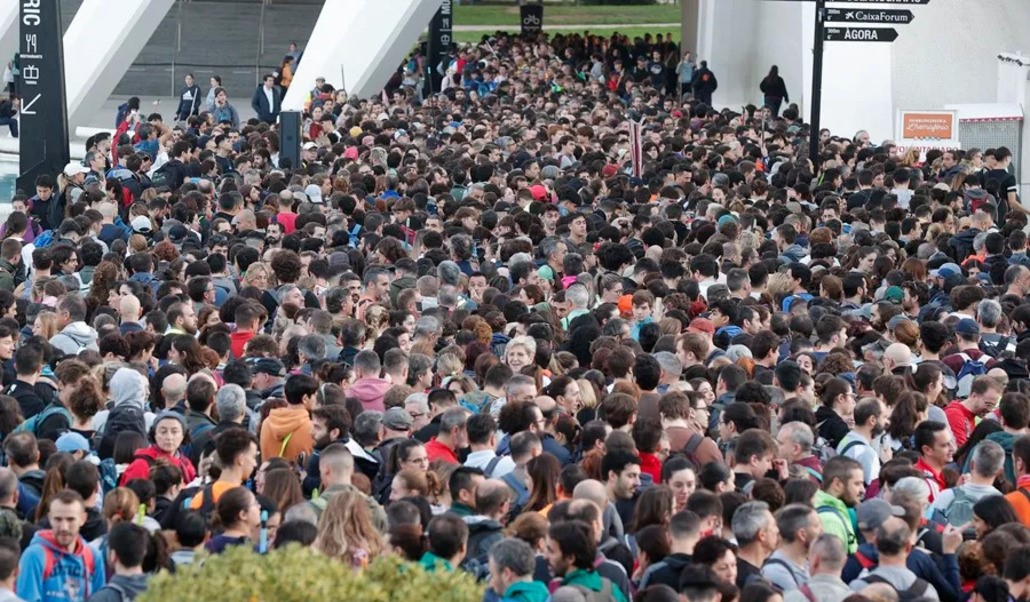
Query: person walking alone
(775,91)
(704,83)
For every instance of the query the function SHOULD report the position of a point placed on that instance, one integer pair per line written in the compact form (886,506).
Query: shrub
(297,574)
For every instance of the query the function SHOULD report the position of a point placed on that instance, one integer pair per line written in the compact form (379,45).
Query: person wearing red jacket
(166,438)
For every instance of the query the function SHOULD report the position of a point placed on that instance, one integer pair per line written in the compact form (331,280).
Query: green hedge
(296,574)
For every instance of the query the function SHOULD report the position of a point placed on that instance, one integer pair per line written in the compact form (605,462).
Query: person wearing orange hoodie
(369,389)
(286,432)
(1020,498)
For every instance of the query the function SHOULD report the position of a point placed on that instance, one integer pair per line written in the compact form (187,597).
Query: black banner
(532,18)
(44,108)
(438,46)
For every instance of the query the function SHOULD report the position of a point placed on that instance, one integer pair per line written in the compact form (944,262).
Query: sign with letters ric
(860,34)
(884,16)
(532,18)
(438,46)
(43,145)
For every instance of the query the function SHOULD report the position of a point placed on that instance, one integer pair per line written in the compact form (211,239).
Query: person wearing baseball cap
(269,373)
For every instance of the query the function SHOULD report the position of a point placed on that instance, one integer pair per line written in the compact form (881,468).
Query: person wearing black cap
(269,373)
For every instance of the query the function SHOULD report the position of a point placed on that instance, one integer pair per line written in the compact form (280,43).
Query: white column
(8,32)
(357,44)
(100,45)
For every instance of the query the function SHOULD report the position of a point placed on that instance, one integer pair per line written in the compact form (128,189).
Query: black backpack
(917,591)
(124,417)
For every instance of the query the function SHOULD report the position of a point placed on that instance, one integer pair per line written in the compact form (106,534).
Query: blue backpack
(967,374)
(44,240)
(32,424)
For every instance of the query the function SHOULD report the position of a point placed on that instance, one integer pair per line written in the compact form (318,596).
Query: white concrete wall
(358,44)
(8,32)
(101,43)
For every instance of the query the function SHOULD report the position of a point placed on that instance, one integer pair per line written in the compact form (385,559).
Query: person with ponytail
(238,516)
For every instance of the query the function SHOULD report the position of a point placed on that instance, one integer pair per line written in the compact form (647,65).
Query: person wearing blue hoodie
(59,566)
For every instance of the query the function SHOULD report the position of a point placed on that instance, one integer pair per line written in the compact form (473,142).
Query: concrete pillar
(689,25)
(101,43)
(348,51)
(8,32)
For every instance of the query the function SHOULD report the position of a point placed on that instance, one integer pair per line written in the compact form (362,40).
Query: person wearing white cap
(314,193)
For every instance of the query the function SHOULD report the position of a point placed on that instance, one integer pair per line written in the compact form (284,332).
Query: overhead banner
(438,45)
(43,143)
(532,18)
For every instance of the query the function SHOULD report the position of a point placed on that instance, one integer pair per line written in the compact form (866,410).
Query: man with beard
(863,442)
(59,564)
(843,487)
(329,424)
(182,319)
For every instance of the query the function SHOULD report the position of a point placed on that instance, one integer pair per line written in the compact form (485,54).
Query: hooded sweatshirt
(370,391)
(127,386)
(293,422)
(121,587)
(74,338)
(527,591)
(483,533)
(73,576)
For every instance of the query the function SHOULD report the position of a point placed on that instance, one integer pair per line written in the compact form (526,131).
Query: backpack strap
(807,593)
(286,442)
(784,564)
(492,465)
(693,443)
(814,473)
(851,444)
(1025,493)
(866,562)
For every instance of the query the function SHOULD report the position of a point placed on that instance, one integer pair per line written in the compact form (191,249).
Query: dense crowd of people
(466,331)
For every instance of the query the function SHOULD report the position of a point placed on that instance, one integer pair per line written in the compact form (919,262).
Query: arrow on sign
(860,34)
(884,16)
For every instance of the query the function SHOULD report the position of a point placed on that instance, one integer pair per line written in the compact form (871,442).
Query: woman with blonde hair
(346,531)
(46,325)
(259,274)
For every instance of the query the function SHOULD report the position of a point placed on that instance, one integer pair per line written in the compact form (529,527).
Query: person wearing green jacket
(448,539)
(843,488)
(511,572)
(571,552)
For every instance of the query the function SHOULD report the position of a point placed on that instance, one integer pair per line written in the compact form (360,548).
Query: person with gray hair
(451,438)
(787,567)
(231,403)
(420,371)
(757,535)
(893,544)
(988,314)
(795,441)
(75,334)
(511,563)
(427,329)
(448,272)
(520,387)
(671,367)
(365,434)
(579,297)
(417,406)
(986,462)
(311,347)
(448,297)
(368,388)
(826,561)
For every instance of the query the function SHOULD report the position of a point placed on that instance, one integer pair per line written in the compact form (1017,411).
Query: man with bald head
(245,221)
(893,543)
(493,500)
(130,312)
(897,358)
(173,389)
(612,528)
(550,411)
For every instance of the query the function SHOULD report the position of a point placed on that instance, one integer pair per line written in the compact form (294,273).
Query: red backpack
(50,562)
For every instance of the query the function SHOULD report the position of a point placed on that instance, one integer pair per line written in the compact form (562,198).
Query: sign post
(438,46)
(817,83)
(43,145)
(532,18)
